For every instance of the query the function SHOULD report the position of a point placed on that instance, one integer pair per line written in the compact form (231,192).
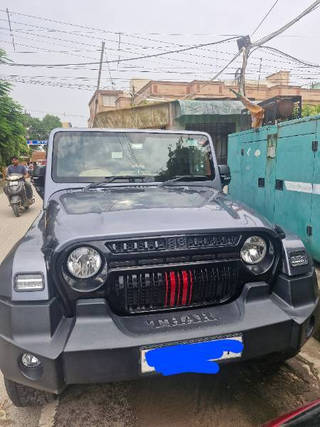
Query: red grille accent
(185,283)
(172,288)
(160,289)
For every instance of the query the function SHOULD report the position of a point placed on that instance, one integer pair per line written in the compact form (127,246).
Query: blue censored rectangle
(199,357)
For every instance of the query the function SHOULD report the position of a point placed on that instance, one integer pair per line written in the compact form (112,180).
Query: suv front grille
(173,243)
(166,288)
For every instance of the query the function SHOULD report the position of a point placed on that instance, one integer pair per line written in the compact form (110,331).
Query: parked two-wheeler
(15,190)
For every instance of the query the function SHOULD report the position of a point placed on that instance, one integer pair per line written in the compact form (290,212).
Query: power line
(77,42)
(291,57)
(99,38)
(133,35)
(124,50)
(217,74)
(36,27)
(64,52)
(129,59)
(271,36)
(130,68)
(265,17)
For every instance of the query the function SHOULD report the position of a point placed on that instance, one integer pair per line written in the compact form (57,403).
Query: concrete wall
(157,116)
(275,86)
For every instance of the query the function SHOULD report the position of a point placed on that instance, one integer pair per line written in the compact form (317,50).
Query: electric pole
(96,100)
(244,44)
(10,29)
(100,65)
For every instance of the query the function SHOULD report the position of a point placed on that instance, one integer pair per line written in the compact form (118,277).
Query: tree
(12,131)
(310,110)
(40,129)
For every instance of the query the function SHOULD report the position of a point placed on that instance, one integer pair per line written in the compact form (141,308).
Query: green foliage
(12,131)
(40,129)
(16,127)
(183,160)
(310,110)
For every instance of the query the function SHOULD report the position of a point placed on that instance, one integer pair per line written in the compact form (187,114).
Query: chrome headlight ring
(257,254)
(84,262)
(85,269)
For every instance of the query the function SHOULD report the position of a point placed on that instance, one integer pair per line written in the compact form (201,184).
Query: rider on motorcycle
(16,168)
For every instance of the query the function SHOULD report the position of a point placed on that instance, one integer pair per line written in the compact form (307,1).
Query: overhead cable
(301,61)
(130,59)
(265,17)
(271,36)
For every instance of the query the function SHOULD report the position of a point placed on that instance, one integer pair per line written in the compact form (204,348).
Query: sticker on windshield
(192,142)
(136,146)
(117,154)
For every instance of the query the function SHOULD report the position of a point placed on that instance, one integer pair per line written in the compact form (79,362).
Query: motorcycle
(15,190)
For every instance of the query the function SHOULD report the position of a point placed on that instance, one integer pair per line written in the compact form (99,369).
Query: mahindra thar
(137,252)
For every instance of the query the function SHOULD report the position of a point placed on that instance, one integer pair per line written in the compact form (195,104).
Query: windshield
(89,156)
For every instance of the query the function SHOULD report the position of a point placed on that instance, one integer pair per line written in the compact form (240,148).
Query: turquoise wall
(276,170)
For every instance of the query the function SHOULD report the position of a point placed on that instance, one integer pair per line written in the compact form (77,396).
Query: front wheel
(16,209)
(22,395)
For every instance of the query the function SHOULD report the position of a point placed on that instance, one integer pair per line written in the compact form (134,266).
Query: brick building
(147,91)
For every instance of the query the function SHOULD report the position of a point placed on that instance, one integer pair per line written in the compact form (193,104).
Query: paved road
(11,230)
(240,395)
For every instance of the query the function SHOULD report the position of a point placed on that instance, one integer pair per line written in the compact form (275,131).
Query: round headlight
(253,250)
(84,262)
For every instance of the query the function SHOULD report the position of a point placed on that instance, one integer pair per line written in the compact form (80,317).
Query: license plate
(145,367)
(12,183)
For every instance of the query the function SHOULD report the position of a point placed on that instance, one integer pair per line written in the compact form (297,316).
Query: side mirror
(38,176)
(225,174)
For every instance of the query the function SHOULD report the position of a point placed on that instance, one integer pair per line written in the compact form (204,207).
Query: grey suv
(139,264)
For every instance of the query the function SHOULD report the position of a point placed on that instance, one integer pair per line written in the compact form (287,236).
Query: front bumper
(99,346)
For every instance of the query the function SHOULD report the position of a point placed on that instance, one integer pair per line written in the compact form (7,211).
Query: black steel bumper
(98,346)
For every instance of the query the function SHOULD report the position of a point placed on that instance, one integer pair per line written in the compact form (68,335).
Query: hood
(132,211)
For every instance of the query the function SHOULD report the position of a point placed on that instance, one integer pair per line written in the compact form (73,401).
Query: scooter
(15,190)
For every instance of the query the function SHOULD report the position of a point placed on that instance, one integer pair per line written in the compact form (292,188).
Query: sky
(145,27)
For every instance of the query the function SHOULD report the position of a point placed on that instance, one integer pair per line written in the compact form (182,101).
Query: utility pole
(259,76)
(119,44)
(10,29)
(98,83)
(244,44)
(100,65)
(242,79)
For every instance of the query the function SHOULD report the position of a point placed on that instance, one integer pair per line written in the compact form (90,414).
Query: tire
(16,209)
(22,396)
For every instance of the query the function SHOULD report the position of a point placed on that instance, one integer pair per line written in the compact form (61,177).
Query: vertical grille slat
(143,291)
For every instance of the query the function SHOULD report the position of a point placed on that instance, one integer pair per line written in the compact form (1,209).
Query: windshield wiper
(109,179)
(185,178)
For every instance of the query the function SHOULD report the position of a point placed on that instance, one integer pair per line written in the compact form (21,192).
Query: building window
(108,101)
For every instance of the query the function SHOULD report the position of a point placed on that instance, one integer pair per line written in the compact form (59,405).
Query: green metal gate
(276,170)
